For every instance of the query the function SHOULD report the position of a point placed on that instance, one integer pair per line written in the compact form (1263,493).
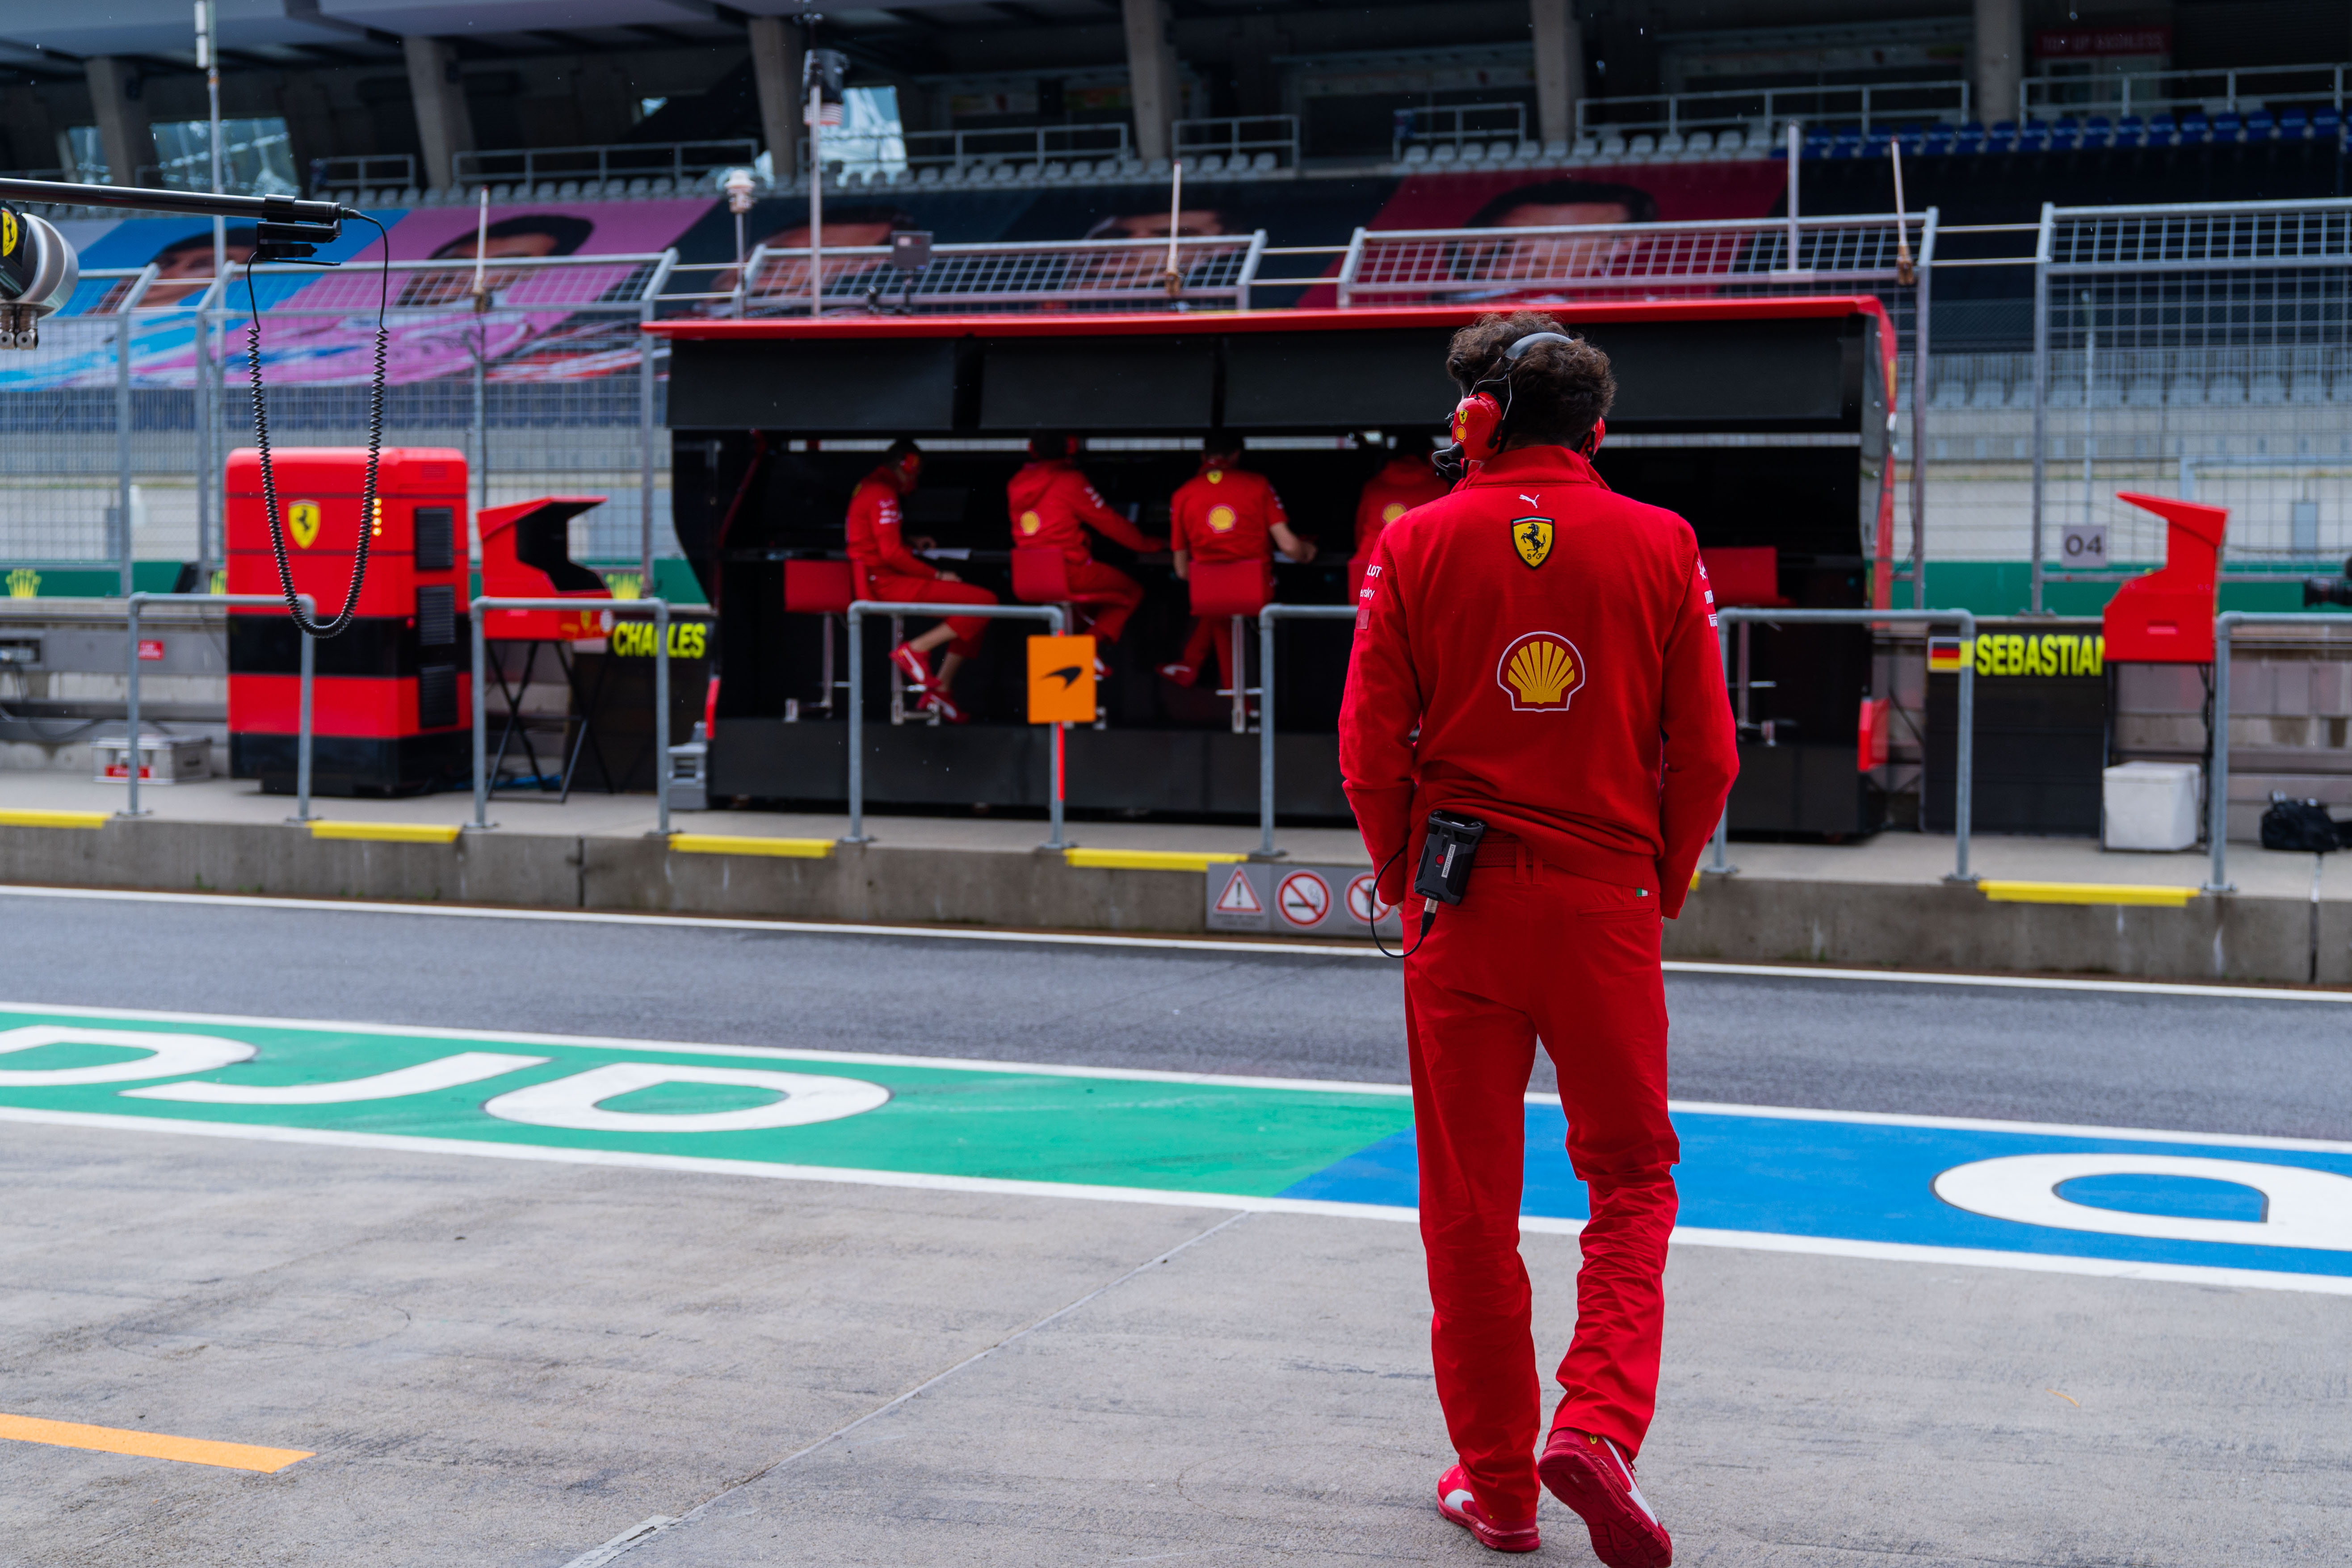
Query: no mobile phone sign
(1296,900)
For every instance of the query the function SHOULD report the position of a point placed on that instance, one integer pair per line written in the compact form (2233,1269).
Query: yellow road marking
(389,832)
(727,844)
(148,1445)
(1144,859)
(2085,893)
(54,819)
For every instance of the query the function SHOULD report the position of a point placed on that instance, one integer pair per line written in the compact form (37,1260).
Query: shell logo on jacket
(1031,523)
(1540,672)
(1222,518)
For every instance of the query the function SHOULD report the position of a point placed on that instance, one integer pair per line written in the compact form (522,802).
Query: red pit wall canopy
(1715,397)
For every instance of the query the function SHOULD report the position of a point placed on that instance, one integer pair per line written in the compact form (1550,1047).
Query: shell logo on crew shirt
(1531,537)
(1393,510)
(302,523)
(1031,523)
(1540,672)
(1221,520)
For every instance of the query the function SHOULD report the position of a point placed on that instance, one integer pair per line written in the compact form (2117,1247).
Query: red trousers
(968,629)
(1110,594)
(1533,951)
(1213,634)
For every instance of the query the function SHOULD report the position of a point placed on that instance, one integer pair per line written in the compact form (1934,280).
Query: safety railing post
(131,763)
(1719,863)
(1267,617)
(655,605)
(1964,752)
(2217,784)
(481,723)
(2040,395)
(661,717)
(1058,758)
(302,734)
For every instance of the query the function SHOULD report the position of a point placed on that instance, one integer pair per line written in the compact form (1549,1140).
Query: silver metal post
(481,724)
(2040,396)
(481,415)
(122,433)
(302,735)
(856,726)
(2217,783)
(817,200)
(1796,146)
(1059,762)
(1267,617)
(661,716)
(1236,655)
(1720,864)
(1964,752)
(1919,342)
(131,761)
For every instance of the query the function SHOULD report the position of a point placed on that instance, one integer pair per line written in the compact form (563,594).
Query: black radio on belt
(1447,854)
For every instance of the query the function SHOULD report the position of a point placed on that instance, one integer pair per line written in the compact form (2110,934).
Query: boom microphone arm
(38,269)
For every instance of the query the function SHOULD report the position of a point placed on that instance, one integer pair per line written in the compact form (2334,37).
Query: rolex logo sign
(1540,672)
(302,523)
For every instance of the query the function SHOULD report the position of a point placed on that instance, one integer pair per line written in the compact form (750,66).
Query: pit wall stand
(1964,758)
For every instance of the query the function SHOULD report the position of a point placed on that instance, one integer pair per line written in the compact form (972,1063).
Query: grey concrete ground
(604,1347)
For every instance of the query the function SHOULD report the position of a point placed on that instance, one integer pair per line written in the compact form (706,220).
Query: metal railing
(1964,750)
(1675,112)
(1056,624)
(680,162)
(1448,125)
(135,603)
(2243,90)
(1028,145)
(2217,784)
(1267,616)
(365,169)
(658,609)
(1085,274)
(1238,139)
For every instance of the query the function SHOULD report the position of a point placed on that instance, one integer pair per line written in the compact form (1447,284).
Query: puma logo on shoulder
(1531,501)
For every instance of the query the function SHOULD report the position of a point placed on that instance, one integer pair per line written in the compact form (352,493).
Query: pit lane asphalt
(2118,1058)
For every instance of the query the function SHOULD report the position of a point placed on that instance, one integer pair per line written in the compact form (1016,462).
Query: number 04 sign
(2086,544)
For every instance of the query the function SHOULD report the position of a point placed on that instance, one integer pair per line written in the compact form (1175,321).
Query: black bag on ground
(2301,825)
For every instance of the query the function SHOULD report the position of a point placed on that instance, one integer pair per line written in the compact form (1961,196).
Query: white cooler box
(162,759)
(2152,806)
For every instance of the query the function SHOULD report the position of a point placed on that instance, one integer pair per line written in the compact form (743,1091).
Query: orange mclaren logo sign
(1540,672)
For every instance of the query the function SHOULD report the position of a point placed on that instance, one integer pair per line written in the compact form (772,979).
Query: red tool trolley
(390,713)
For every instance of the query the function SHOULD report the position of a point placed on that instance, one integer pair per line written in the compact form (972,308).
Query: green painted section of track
(1003,1123)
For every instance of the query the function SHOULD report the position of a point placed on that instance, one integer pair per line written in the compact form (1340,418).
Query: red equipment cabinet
(391,712)
(527,554)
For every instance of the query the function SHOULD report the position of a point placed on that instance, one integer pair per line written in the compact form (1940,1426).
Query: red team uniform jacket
(1407,481)
(876,547)
(1535,598)
(1052,506)
(1225,514)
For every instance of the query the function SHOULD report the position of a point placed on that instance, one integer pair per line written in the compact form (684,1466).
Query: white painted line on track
(1155,943)
(1752,1241)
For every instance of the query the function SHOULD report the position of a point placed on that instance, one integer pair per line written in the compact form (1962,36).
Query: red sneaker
(1181,673)
(941,703)
(1591,1476)
(910,664)
(1457,1502)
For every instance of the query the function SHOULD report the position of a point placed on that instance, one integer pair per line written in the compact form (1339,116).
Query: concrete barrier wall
(1740,919)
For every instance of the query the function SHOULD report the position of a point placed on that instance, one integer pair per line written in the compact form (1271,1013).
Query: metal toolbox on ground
(162,759)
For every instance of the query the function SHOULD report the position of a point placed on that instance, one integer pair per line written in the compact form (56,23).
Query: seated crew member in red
(1224,512)
(1539,653)
(888,570)
(1408,479)
(1052,506)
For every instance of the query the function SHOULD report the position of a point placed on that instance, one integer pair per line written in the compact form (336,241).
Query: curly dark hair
(1551,396)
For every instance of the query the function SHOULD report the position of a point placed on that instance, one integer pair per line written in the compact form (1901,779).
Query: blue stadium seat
(2003,137)
(2098,133)
(2295,125)
(2195,129)
(2228,128)
(1939,140)
(2162,132)
(2059,138)
(2131,131)
(1971,138)
(1846,144)
(2260,127)
(2326,124)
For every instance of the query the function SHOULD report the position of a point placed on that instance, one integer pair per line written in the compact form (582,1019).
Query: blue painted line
(1872,1183)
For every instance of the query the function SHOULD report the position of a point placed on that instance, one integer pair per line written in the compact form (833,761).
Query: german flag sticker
(1945,656)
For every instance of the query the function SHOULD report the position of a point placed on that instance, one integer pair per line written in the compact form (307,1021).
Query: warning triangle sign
(1239,898)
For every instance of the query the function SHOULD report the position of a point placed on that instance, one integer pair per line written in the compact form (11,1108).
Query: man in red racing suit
(1051,506)
(1540,654)
(1407,480)
(1224,512)
(888,571)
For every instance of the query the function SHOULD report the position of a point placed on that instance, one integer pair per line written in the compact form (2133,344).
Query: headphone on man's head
(1478,419)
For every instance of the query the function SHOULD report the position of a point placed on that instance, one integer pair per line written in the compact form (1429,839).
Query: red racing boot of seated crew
(1458,1503)
(910,664)
(1591,1476)
(941,703)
